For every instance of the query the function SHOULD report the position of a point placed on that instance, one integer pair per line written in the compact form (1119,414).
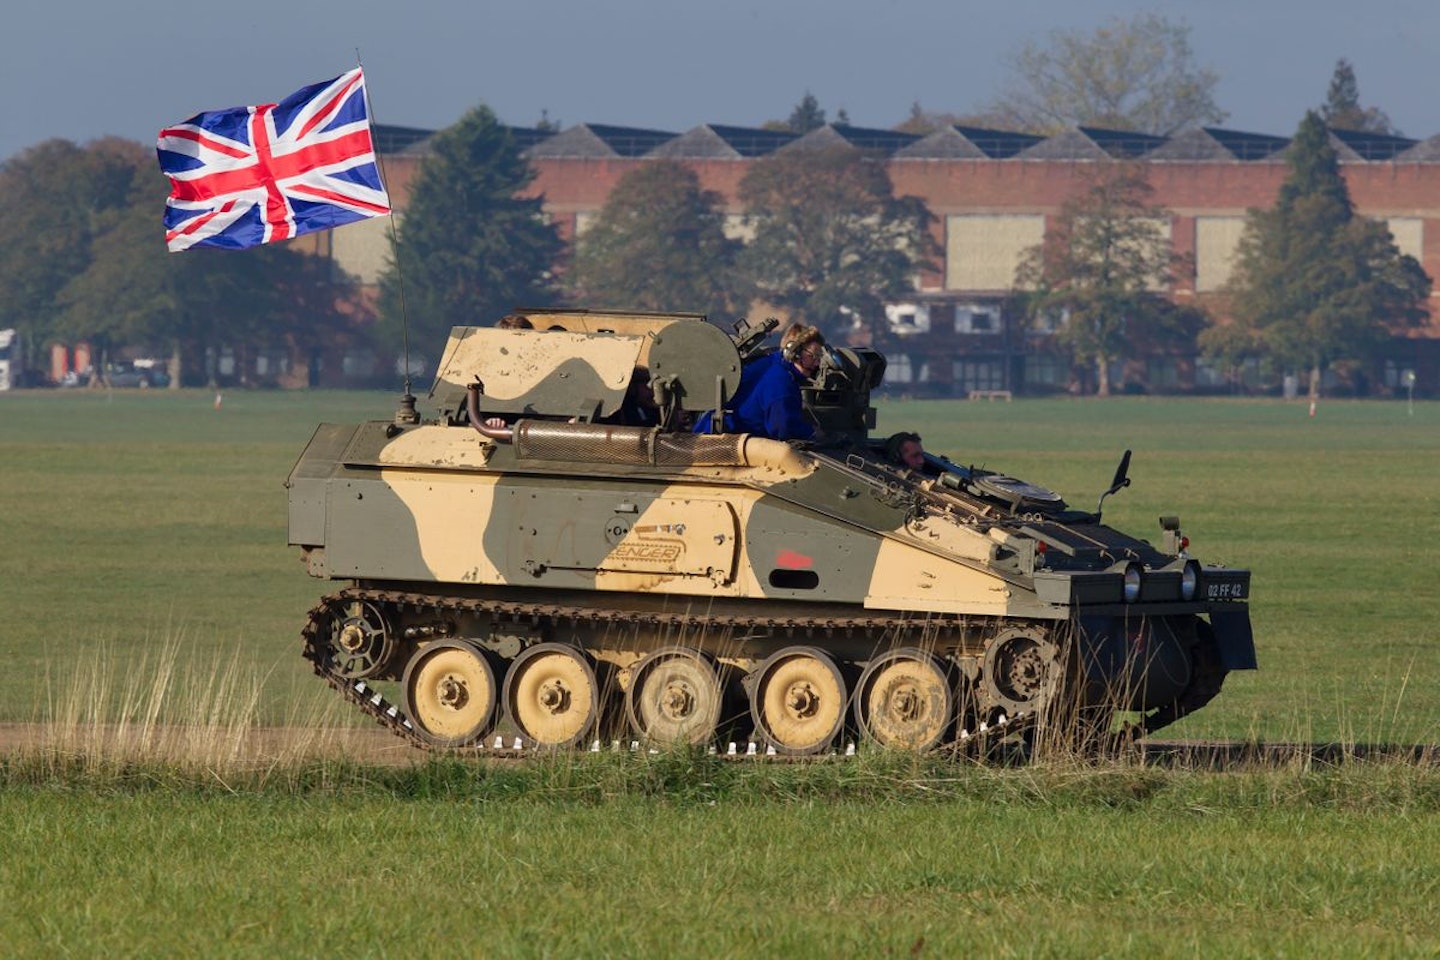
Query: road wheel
(905,700)
(797,700)
(450,693)
(552,695)
(675,697)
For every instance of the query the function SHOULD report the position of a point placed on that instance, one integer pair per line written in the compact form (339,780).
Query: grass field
(135,517)
(619,856)
(138,525)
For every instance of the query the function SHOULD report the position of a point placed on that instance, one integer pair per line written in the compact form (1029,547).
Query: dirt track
(379,747)
(371,746)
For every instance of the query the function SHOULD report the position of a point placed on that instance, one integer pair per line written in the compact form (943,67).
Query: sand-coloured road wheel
(450,693)
(675,697)
(797,700)
(552,695)
(905,700)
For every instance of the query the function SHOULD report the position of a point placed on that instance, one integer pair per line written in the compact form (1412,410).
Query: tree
(471,247)
(806,116)
(1104,267)
(55,199)
(922,121)
(1136,74)
(1342,105)
(123,288)
(831,239)
(658,244)
(1313,282)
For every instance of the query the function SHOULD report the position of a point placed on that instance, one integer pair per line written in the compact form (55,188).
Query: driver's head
(905,450)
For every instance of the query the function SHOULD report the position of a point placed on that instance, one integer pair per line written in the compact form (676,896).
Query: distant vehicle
(139,373)
(9,359)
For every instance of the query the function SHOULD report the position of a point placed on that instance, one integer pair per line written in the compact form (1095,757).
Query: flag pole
(406,412)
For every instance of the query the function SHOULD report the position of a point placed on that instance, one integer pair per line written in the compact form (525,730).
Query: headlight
(1189,579)
(1132,583)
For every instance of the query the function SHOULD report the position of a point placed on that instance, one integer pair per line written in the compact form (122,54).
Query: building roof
(600,141)
(1248,146)
(1214,143)
(1372,146)
(1072,144)
(723,141)
(392,139)
(886,142)
(998,144)
(527,137)
(414,142)
(1122,144)
(1196,144)
(718,141)
(946,143)
(1427,150)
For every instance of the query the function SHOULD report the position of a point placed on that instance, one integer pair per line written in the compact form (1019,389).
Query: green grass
(635,856)
(135,517)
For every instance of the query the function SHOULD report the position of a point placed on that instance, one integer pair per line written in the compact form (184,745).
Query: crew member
(768,402)
(904,449)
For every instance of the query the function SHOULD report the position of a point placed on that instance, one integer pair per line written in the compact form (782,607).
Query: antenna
(1121,481)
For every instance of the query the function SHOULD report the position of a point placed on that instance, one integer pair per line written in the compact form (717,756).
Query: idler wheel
(905,700)
(675,697)
(797,700)
(450,693)
(552,695)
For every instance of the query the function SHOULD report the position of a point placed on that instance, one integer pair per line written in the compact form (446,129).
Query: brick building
(993,194)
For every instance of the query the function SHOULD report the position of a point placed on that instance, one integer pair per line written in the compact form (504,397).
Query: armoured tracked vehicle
(522,569)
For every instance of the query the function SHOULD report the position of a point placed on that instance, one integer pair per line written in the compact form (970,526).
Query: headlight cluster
(1132,583)
(1169,583)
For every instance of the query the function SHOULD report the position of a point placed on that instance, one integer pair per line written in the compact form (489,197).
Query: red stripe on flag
(324,113)
(337,197)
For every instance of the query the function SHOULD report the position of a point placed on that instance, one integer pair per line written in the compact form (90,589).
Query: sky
(82,70)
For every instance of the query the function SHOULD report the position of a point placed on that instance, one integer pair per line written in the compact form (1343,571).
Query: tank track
(390,716)
(373,703)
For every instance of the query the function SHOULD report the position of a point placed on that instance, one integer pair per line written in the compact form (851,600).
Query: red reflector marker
(790,560)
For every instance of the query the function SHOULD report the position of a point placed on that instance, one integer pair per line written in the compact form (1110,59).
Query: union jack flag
(251,175)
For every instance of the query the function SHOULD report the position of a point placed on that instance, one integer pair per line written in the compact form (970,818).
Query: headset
(792,349)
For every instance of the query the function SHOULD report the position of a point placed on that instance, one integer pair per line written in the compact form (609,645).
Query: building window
(907,318)
(1044,370)
(976,321)
(978,375)
(898,369)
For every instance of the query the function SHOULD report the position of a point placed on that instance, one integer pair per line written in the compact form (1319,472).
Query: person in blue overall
(767,403)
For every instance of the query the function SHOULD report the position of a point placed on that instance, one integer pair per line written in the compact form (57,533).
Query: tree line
(825,241)
(82,257)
